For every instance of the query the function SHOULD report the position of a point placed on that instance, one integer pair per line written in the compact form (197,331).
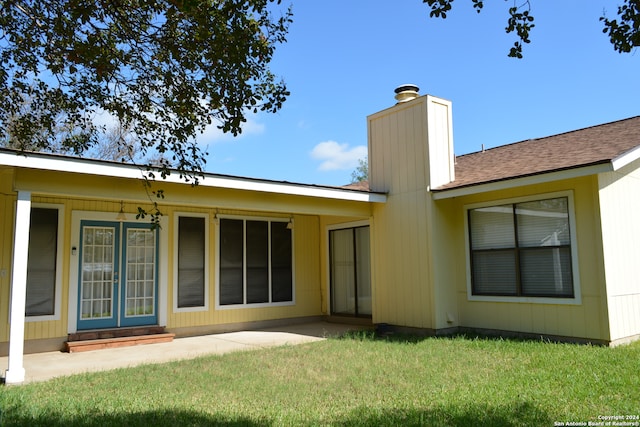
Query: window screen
(257,248)
(281,269)
(522,249)
(255,265)
(191,265)
(231,261)
(41,264)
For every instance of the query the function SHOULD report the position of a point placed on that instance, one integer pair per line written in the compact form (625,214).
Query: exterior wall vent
(406,93)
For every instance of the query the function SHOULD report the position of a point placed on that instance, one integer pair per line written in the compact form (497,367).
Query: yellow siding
(409,145)
(619,206)
(99,194)
(398,148)
(585,320)
(447,265)
(402,286)
(441,155)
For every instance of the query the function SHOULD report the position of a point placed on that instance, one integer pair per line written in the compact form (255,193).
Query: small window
(42,262)
(255,262)
(522,249)
(191,262)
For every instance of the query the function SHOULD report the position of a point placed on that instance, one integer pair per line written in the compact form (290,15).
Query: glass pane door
(118,275)
(98,275)
(139,295)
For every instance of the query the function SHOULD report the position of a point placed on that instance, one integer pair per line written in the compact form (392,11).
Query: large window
(522,249)
(255,262)
(42,263)
(191,262)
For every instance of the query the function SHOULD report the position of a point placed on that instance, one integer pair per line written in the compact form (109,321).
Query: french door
(350,271)
(118,283)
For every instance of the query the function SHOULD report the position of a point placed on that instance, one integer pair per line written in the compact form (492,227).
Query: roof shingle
(589,146)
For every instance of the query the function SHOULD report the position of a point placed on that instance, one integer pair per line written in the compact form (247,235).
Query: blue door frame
(118,270)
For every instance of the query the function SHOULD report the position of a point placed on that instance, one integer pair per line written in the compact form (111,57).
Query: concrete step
(124,341)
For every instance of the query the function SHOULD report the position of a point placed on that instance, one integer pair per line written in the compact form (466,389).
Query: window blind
(257,248)
(191,265)
(281,259)
(231,261)
(41,263)
(255,265)
(522,249)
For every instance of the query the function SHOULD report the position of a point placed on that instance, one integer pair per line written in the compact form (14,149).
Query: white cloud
(335,156)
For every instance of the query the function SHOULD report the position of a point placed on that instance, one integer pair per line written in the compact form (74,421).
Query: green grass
(356,380)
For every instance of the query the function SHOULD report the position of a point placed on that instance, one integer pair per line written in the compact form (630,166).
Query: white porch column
(16,373)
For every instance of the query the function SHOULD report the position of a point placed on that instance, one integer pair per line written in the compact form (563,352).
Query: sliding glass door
(350,271)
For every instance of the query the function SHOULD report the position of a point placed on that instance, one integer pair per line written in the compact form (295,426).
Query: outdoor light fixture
(121,215)
(290,224)
(216,220)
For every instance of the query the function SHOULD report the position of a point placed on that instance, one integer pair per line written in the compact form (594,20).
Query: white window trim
(59,256)
(577,296)
(218,306)
(176,229)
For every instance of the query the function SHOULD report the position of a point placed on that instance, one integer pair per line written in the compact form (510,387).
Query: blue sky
(343,59)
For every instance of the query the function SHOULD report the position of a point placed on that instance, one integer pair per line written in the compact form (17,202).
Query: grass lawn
(356,380)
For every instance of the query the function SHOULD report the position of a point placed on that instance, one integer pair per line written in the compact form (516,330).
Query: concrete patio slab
(45,366)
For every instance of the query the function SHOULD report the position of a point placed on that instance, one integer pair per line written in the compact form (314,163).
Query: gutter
(532,179)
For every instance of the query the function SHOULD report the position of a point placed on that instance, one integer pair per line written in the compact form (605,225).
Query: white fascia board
(292,189)
(70,165)
(132,172)
(626,158)
(521,182)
